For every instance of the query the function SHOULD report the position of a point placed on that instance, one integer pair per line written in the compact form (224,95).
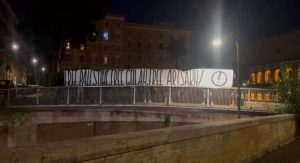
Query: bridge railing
(132,95)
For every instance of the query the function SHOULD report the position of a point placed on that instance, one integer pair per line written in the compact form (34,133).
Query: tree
(177,50)
(288,92)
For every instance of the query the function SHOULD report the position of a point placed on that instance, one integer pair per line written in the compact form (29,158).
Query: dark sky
(248,20)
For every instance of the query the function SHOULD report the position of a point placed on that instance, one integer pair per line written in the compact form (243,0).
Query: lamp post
(43,69)
(218,43)
(34,62)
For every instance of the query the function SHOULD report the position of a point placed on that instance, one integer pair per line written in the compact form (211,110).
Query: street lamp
(35,61)
(218,43)
(43,69)
(15,46)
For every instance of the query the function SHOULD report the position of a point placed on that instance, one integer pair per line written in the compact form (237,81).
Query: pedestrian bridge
(252,98)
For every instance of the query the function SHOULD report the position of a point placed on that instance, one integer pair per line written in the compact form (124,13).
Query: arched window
(289,73)
(277,75)
(252,77)
(267,76)
(259,81)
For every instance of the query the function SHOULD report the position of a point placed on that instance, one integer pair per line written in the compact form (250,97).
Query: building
(120,44)
(267,57)
(13,50)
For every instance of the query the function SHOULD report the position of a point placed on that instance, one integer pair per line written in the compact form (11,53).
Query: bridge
(252,98)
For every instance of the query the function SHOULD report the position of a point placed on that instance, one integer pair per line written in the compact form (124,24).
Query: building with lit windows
(120,44)
(13,50)
(267,58)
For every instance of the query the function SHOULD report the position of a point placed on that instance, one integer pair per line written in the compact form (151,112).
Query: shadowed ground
(289,153)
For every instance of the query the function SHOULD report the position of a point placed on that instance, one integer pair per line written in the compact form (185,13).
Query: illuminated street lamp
(34,61)
(15,46)
(218,43)
(43,69)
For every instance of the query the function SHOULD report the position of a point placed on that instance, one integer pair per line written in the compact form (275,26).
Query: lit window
(106,36)
(277,75)
(68,46)
(289,73)
(259,74)
(253,77)
(105,60)
(267,76)
(81,47)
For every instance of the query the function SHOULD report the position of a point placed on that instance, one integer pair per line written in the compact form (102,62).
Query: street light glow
(217,42)
(43,69)
(15,46)
(34,61)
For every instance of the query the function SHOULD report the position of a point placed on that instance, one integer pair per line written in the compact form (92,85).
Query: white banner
(210,78)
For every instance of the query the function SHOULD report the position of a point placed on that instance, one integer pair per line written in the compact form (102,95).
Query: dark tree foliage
(288,92)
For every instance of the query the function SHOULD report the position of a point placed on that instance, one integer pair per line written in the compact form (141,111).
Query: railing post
(100,95)
(207,97)
(170,96)
(249,95)
(68,96)
(8,100)
(37,96)
(134,91)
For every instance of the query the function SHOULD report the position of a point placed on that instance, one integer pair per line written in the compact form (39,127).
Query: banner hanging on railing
(211,78)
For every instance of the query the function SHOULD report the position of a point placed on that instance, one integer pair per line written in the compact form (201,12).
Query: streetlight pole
(238,80)
(218,43)
(34,61)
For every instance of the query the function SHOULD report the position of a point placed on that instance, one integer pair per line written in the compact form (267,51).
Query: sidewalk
(289,153)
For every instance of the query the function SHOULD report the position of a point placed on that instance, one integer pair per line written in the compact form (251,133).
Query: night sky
(247,20)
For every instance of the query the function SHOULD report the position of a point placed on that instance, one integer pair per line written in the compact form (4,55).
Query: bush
(288,93)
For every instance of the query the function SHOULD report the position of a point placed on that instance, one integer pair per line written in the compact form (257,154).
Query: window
(267,76)
(253,77)
(277,75)
(149,58)
(139,58)
(160,59)
(118,25)
(161,46)
(106,24)
(140,35)
(68,46)
(106,35)
(94,58)
(81,59)
(129,44)
(105,60)
(139,44)
(149,45)
(81,47)
(129,57)
(118,49)
(161,35)
(259,81)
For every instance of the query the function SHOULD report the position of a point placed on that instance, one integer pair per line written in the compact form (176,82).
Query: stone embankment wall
(226,141)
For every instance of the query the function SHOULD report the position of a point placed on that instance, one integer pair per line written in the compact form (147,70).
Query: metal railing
(132,95)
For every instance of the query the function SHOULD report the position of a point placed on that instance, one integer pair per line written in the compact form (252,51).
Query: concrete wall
(227,141)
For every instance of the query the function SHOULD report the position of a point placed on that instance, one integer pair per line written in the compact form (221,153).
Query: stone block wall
(226,141)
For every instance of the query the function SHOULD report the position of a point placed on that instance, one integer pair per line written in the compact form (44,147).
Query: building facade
(13,50)
(265,75)
(272,58)
(120,44)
